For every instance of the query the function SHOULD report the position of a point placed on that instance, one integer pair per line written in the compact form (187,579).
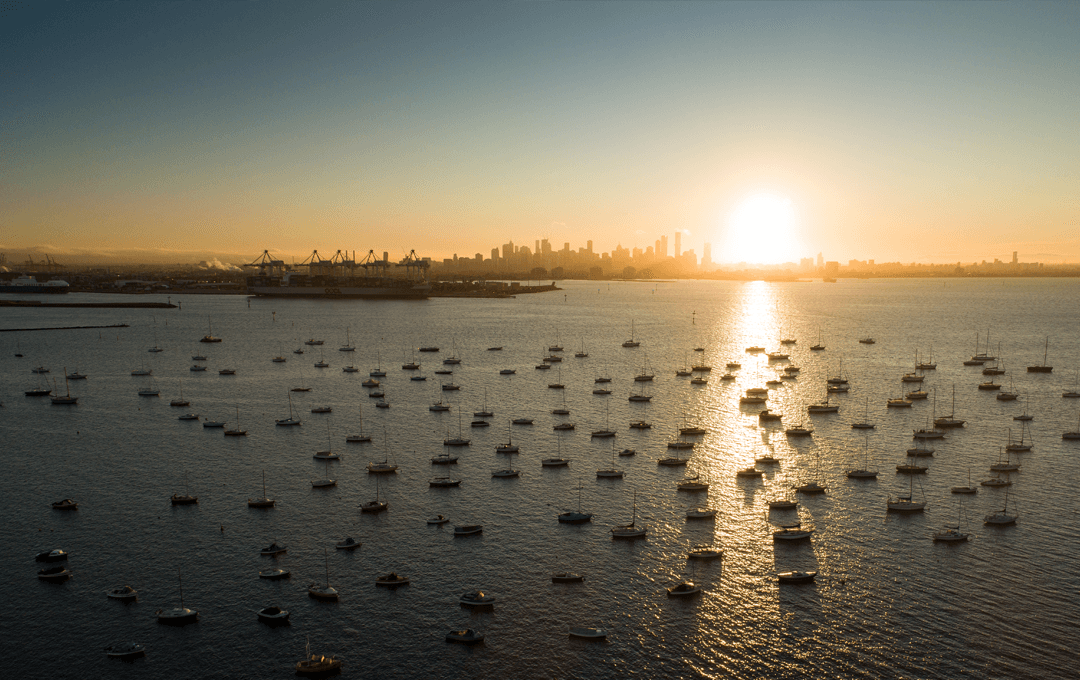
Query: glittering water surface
(888,601)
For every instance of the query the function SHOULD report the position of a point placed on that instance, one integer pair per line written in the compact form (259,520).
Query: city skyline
(773,131)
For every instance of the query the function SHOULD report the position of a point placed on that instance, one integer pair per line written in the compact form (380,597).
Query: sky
(912,132)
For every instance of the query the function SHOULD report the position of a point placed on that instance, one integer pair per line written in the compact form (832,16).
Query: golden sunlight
(762,230)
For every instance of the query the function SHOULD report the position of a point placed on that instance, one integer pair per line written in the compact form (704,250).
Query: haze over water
(888,601)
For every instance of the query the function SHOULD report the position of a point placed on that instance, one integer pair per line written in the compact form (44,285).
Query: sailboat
(508,471)
(952,533)
(237,432)
(1020,445)
(326,481)
(385,467)
(1073,436)
(607,431)
(578,517)
(348,347)
(181,401)
(581,354)
(820,345)
(378,372)
(301,388)
(186,498)
(1075,391)
(631,342)
(209,337)
(359,438)
(509,446)
(178,615)
(456,441)
(67,399)
(375,505)
(1007,466)
(1043,367)
(1025,416)
(630,530)
(1001,518)
(558,461)
(969,489)
(926,365)
(265,501)
(904,503)
(155,349)
(864,472)
(291,420)
(951,420)
(611,472)
(319,591)
(865,423)
(453,359)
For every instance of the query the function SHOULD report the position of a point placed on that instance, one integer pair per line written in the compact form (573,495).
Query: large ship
(340,277)
(28,284)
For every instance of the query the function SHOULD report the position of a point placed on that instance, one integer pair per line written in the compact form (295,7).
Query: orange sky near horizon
(895,132)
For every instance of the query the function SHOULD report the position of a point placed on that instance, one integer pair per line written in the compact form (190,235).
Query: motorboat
(312,342)
(316,665)
(468,529)
(792,532)
(554,462)
(767,459)
(273,615)
(898,402)
(465,637)
(183,499)
(566,577)
(996,482)
(783,504)
(66,504)
(796,576)
(55,574)
(177,616)
(322,409)
(700,513)
(273,550)
(326,455)
(684,589)
(444,459)
(563,426)
(640,425)
(811,487)
(274,574)
(798,431)
(768,416)
(57,555)
(477,598)
(214,423)
(522,421)
(704,552)
(391,580)
(444,482)
(125,650)
(227,371)
(588,633)
(350,369)
(672,461)
(507,371)
(196,369)
(750,472)
(123,594)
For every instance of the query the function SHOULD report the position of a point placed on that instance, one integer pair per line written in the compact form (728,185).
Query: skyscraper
(678,244)
(661,248)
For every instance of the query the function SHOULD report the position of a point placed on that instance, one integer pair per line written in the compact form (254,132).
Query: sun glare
(762,230)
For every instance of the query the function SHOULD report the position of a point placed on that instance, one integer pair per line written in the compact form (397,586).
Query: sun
(761,230)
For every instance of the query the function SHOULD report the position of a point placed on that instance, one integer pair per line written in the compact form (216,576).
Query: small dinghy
(123,594)
(444,482)
(704,552)
(700,513)
(125,650)
(465,637)
(66,504)
(391,580)
(566,577)
(347,544)
(796,576)
(477,598)
(273,615)
(468,529)
(274,574)
(684,589)
(588,633)
(272,550)
(437,519)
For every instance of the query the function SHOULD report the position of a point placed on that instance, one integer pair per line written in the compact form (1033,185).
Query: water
(888,603)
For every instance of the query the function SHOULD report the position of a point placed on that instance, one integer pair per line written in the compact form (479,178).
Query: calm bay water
(888,602)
